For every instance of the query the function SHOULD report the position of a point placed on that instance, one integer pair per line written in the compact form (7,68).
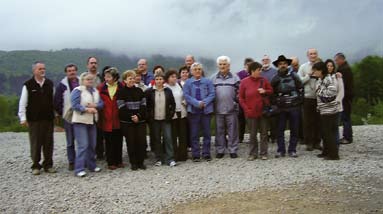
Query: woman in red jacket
(110,121)
(253,95)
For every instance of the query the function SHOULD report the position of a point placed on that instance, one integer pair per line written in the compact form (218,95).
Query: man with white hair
(268,72)
(37,113)
(189,60)
(311,117)
(226,108)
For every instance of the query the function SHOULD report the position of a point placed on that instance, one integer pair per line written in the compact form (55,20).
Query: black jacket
(348,81)
(170,104)
(131,101)
(40,100)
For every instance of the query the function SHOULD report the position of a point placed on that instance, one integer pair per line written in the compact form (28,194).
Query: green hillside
(15,66)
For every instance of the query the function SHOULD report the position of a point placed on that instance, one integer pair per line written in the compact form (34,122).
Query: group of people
(101,109)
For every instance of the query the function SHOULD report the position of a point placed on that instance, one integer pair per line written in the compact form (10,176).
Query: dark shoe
(293,154)
(309,148)
(134,167)
(207,158)
(273,141)
(196,159)
(219,155)
(142,166)
(280,154)
(321,155)
(112,167)
(233,155)
(331,158)
(345,141)
(318,147)
(71,166)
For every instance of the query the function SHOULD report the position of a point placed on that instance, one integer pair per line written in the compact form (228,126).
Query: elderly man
(226,108)
(146,76)
(294,64)
(345,70)
(294,67)
(269,72)
(36,112)
(62,105)
(189,60)
(311,117)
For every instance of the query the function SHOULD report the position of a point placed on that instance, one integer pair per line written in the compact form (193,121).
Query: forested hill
(15,66)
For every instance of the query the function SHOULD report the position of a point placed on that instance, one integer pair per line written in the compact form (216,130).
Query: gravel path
(125,191)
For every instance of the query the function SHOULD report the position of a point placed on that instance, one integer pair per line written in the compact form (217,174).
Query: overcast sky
(236,28)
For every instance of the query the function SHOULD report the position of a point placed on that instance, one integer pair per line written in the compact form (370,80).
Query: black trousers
(241,124)
(311,123)
(135,136)
(113,147)
(100,145)
(179,137)
(329,124)
(41,137)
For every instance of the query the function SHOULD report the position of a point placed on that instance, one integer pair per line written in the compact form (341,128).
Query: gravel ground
(160,188)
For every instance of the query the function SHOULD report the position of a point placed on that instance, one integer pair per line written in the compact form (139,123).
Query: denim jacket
(207,95)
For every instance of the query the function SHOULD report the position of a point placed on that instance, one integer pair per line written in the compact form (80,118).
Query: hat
(282,58)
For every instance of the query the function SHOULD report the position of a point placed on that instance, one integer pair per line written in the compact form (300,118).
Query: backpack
(289,91)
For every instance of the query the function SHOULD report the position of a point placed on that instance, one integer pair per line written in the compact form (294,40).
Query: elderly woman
(327,91)
(199,94)
(132,112)
(86,103)
(110,122)
(226,86)
(253,95)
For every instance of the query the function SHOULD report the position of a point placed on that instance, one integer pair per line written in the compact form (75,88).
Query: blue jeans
(162,128)
(69,134)
(200,122)
(85,136)
(293,117)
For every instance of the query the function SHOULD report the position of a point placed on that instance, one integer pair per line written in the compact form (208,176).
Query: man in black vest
(36,112)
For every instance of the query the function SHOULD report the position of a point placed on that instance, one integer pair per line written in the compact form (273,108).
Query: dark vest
(40,100)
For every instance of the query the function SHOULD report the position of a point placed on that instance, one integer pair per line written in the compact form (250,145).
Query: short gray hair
(223,58)
(195,65)
(35,64)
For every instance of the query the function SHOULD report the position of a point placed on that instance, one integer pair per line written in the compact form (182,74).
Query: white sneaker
(81,174)
(172,164)
(158,163)
(97,169)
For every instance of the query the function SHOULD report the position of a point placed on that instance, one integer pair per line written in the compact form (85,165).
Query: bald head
(189,60)
(312,55)
(142,66)
(295,63)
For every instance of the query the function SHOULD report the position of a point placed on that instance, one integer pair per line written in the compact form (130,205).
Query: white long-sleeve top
(23,103)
